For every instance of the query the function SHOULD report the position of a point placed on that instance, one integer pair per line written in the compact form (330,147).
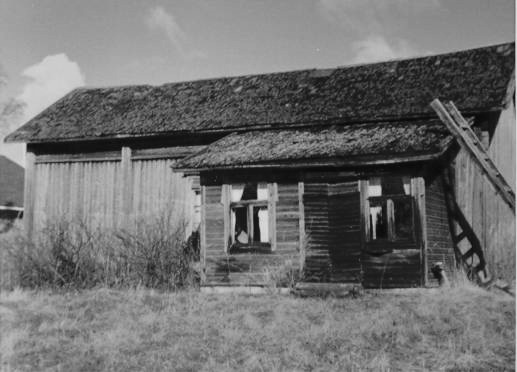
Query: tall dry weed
(73,254)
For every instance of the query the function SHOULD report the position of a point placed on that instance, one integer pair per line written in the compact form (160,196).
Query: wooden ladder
(468,140)
(472,260)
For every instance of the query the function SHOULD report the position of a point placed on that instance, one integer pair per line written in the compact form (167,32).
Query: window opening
(249,215)
(391,208)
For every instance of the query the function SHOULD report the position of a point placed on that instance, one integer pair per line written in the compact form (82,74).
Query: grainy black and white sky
(49,47)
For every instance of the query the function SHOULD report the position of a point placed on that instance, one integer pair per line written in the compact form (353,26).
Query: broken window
(197,210)
(390,208)
(249,215)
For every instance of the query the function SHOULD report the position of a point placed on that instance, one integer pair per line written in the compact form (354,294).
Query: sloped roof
(476,80)
(341,145)
(11,183)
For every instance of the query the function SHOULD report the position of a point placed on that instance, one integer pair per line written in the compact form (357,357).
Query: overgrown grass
(462,328)
(72,254)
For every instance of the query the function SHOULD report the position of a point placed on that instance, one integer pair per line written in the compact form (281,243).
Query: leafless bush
(62,254)
(157,255)
(67,254)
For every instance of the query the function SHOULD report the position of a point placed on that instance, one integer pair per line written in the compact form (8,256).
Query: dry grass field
(459,329)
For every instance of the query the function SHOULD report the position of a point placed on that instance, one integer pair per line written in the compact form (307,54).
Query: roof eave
(268,126)
(297,164)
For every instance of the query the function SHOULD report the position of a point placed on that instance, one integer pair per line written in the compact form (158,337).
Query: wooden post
(28,194)
(226,199)
(272,199)
(365,213)
(127,186)
(301,211)
(418,192)
(202,234)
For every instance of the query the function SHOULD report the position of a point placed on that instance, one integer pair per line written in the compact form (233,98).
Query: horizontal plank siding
(317,257)
(344,232)
(252,268)
(332,222)
(397,269)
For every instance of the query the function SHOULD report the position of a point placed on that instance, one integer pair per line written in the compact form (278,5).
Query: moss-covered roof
(476,80)
(341,145)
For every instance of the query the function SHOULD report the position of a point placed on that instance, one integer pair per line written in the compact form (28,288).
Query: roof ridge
(301,70)
(422,56)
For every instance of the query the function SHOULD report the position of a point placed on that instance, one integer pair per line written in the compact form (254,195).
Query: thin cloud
(377,48)
(372,15)
(159,19)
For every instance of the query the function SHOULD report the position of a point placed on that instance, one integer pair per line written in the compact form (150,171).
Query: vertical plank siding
(498,219)
(158,191)
(490,217)
(28,192)
(78,191)
(109,193)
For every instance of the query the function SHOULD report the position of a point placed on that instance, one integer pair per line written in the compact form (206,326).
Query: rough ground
(141,330)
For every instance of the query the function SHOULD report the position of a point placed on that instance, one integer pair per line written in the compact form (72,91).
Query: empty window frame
(249,215)
(390,214)
(196,210)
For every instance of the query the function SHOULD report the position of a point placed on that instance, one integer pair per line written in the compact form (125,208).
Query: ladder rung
(460,237)
(469,254)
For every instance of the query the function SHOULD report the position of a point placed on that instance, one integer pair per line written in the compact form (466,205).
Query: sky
(49,47)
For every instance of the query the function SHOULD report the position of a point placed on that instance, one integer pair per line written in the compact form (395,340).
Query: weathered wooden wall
(222,268)
(490,217)
(158,191)
(288,237)
(439,239)
(316,210)
(345,232)
(397,264)
(332,223)
(111,192)
(86,191)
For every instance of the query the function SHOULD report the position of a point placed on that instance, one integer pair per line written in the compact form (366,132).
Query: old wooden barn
(338,173)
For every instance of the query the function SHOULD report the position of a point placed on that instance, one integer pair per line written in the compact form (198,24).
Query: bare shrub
(73,254)
(62,254)
(157,255)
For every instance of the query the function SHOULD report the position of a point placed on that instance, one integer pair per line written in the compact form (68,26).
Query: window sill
(381,246)
(252,248)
